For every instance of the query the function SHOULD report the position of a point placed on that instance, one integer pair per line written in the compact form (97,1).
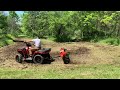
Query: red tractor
(41,56)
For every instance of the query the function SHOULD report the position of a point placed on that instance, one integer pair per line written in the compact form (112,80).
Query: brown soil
(80,53)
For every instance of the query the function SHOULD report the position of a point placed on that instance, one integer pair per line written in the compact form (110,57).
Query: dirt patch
(80,50)
(80,53)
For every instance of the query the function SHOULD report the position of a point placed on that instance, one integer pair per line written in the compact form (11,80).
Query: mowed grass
(64,72)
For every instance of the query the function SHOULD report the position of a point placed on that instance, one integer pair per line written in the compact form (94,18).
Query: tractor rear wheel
(66,59)
(19,58)
(38,59)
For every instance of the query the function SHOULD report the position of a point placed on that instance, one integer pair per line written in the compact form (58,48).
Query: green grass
(51,38)
(110,41)
(48,72)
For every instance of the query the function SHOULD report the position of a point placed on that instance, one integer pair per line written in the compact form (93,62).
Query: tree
(13,23)
(72,25)
(3,23)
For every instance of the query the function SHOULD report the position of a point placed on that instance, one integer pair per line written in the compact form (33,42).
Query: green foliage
(1,43)
(3,21)
(111,41)
(9,36)
(64,26)
(13,23)
(5,41)
(21,36)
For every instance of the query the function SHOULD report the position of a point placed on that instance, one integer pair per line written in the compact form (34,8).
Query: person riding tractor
(36,45)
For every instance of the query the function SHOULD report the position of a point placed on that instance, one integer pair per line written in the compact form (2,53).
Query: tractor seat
(45,49)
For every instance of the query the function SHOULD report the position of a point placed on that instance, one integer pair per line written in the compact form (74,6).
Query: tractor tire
(19,58)
(38,59)
(66,59)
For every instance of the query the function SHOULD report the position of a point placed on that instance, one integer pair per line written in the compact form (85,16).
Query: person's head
(36,37)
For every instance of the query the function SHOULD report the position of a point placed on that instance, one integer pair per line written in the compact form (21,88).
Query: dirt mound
(80,53)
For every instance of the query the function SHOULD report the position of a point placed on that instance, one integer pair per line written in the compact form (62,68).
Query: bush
(9,36)
(1,44)
(6,40)
(9,42)
(111,41)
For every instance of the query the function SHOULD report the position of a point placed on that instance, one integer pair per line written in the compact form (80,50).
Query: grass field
(63,72)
